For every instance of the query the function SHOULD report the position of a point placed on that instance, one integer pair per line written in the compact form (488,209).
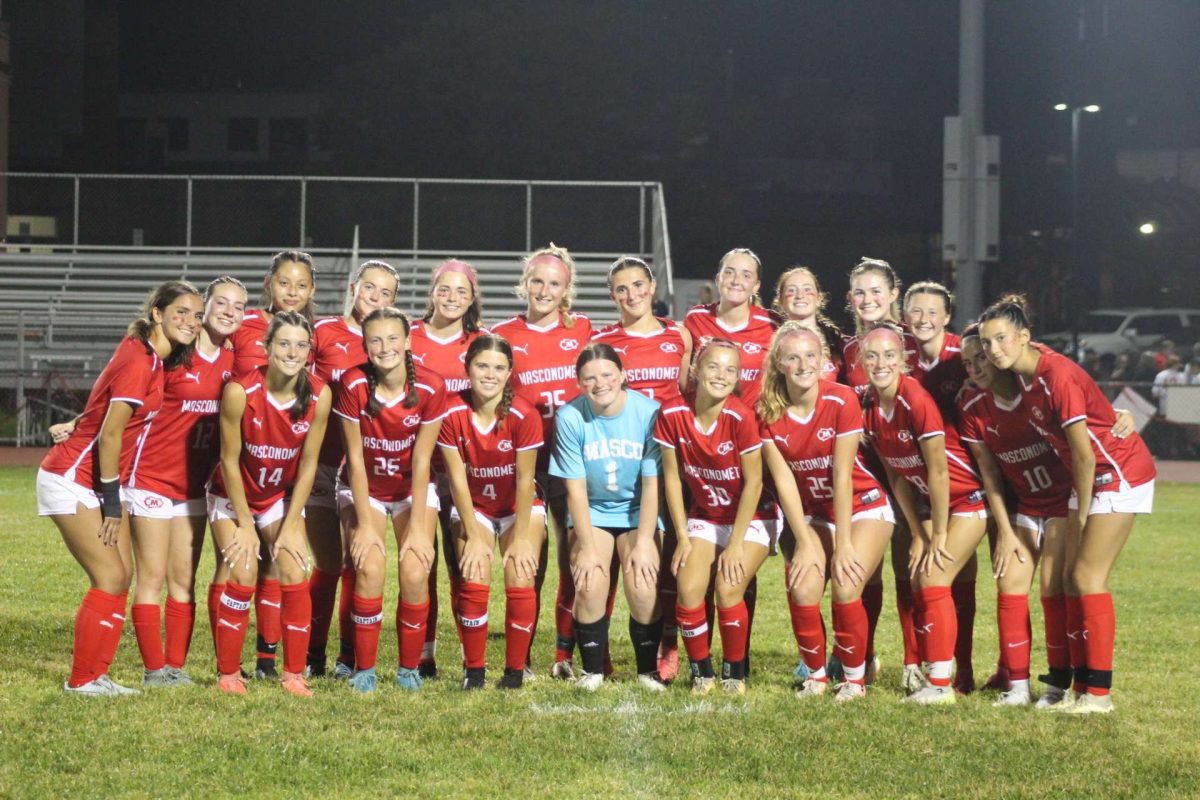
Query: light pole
(1075,265)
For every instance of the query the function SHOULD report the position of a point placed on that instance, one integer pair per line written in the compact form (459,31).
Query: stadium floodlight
(1092,109)
(1061,107)
(1147,228)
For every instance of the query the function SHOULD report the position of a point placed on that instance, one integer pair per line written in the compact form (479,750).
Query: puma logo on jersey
(622,350)
(257,422)
(521,349)
(783,439)
(260,344)
(192,376)
(419,359)
(237,626)
(343,346)
(994,430)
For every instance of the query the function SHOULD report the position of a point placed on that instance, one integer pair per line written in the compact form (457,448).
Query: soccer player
(166,493)
(546,340)
(711,444)
(836,510)
(490,441)
(338,346)
(604,451)
(656,353)
(798,297)
(390,413)
(937,489)
(1112,478)
(80,479)
(272,423)
(288,286)
(453,318)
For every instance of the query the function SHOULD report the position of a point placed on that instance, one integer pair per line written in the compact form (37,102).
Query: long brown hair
(277,261)
(410,371)
(879,267)
(473,318)
(303,384)
(161,298)
(490,342)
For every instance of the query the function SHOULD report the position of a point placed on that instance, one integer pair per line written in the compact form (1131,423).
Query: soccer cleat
(590,681)
(265,670)
(1090,704)
(474,678)
(848,691)
(343,671)
(812,688)
(93,688)
(179,677)
(912,680)
(233,683)
(528,673)
(408,679)
(294,683)
(563,670)
(1054,699)
(1014,697)
(874,667)
(668,660)
(932,695)
(702,685)
(833,668)
(316,666)
(428,670)
(734,686)
(363,681)
(652,681)
(157,679)
(115,687)
(512,679)
(801,672)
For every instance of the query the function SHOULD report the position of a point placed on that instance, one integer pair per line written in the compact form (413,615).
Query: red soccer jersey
(1030,465)
(133,376)
(944,376)
(337,346)
(711,460)
(754,336)
(445,357)
(183,440)
(1062,393)
(853,372)
(544,361)
(271,442)
(249,342)
(808,445)
(388,437)
(490,455)
(897,437)
(651,360)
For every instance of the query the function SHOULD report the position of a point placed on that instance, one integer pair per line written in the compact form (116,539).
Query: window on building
(243,135)
(177,133)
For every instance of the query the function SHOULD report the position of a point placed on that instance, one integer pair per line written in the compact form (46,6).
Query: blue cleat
(363,681)
(408,679)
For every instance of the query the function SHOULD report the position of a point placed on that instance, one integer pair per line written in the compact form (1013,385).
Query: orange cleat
(294,683)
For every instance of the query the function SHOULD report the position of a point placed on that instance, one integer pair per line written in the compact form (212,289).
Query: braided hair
(490,342)
(303,384)
(372,374)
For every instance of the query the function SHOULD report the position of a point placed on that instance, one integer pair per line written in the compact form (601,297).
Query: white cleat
(116,687)
(1055,699)
(932,696)
(1090,704)
(912,680)
(589,681)
(1014,697)
(812,688)
(651,682)
(848,691)
(563,670)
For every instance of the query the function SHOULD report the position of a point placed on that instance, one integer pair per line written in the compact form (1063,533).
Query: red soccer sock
(112,638)
(908,623)
(809,630)
(346,612)
(322,593)
(296,616)
(473,623)
(368,620)
(520,611)
(268,605)
(734,622)
(872,600)
(850,626)
(147,628)
(233,614)
(1076,645)
(564,620)
(693,626)
(936,632)
(1012,618)
(1054,608)
(963,594)
(180,621)
(431,617)
(92,624)
(410,627)
(215,590)
(1099,633)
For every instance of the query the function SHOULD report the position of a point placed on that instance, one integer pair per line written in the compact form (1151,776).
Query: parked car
(1118,330)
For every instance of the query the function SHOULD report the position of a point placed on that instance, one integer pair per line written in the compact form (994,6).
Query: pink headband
(558,262)
(887,331)
(461,267)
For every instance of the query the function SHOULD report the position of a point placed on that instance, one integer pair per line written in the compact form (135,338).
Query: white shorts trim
(220,508)
(1131,500)
(324,490)
(760,531)
(57,496)
(883,513)
(144,503)
(498,525)
(345,499)
(980,514)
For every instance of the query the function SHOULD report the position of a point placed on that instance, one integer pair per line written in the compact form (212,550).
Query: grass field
(551,740)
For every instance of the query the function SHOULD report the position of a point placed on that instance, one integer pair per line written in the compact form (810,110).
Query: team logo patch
(412,420)
(226,375)
(695,525)
(724,448)
(825,434)
(569,344)
(904,436)
(299,427)
(669,347)
(462,357)
(751,348)
(1037,412)
(505,445)
(153,502)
